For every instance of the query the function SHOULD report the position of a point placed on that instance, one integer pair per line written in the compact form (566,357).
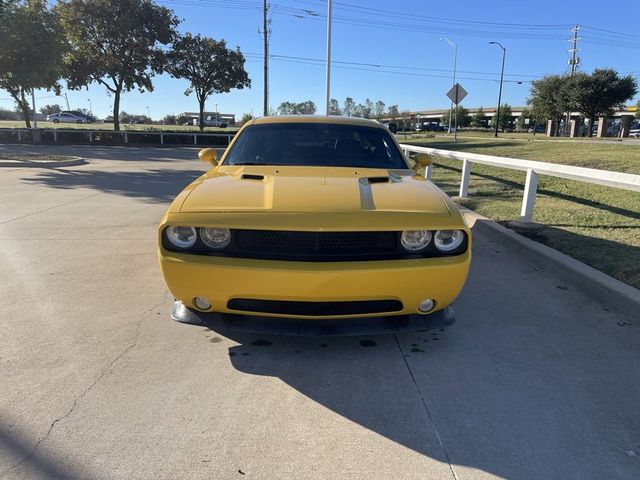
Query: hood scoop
(378,179)
(251,176)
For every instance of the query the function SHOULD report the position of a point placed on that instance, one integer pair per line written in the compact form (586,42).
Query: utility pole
(504,53)
(265,33)
(67,99)
(573,62)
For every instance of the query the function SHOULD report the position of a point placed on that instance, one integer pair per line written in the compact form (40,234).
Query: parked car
(88,118)
(65,118)
(213,122)
(392,126)
(634,132)
(313,218)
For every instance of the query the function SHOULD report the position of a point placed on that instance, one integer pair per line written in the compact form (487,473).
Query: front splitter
(233,323)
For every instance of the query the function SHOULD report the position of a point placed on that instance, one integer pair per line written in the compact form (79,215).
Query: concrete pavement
(534,381)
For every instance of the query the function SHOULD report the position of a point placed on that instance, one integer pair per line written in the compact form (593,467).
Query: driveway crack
(426,409)
(88,389)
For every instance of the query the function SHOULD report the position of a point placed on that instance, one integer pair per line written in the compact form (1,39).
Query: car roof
(335,120)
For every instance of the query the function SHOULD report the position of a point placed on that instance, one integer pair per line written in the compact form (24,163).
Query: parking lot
(535,380)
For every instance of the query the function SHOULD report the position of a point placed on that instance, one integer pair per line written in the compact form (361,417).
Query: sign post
(456,95)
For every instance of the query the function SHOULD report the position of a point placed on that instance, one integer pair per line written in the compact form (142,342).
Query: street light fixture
(504,52)
(453,83)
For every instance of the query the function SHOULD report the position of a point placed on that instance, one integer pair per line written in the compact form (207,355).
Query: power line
(420,23)
(395,13)
(402,67)
(381,70)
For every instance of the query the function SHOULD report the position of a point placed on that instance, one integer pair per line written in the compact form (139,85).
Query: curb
(72,162)
(598,285)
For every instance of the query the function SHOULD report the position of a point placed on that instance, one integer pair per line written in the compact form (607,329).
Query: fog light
(426,305)
(202,303)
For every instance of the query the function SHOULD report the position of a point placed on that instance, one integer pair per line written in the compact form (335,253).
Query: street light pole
(504,52)
(455,61)
(90,108)
(328,99)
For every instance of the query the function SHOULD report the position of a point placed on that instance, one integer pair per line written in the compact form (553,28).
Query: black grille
(315,309)
(302,246)
(321,244)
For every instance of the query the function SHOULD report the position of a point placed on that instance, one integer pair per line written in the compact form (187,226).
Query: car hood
(312,189)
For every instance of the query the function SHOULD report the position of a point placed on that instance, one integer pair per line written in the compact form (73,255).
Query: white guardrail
(124,134)
(626,181)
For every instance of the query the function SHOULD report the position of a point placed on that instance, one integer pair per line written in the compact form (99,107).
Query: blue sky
(398,44)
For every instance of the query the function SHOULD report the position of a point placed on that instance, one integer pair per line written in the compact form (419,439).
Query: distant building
(194,117)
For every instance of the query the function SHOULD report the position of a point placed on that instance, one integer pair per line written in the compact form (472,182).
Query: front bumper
(221,279)
(226,324)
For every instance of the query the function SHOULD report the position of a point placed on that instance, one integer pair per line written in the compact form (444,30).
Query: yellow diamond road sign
(457,93)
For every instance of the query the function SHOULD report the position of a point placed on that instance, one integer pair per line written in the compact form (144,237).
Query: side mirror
(423,159)
(209,155)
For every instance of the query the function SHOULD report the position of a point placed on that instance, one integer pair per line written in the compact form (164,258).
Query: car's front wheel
(55,120)
(78,121)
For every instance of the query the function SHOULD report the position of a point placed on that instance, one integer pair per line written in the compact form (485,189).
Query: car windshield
(316,145)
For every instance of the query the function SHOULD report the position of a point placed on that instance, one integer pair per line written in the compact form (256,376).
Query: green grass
(123,127)
(597,225)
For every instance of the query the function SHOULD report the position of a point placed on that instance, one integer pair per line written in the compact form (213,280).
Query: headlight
(216,238)
(182,237)
(448,240)
(415,240)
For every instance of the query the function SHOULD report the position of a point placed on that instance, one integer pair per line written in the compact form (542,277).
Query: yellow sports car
(314,218)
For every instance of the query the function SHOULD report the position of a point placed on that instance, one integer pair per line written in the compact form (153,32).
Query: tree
(32,47)
(169,120)
(378,109)
(505,117)
(134,118)
(367,108)
(550,98)
(286,108)
(245,118)
(521,124)
(598,94)
(306,108)
(116,44)
(302,108)
(209,66)
(393,112)
(334,107)
(50,109)
(348,106)
(464,119)
(8,114)
(478,119)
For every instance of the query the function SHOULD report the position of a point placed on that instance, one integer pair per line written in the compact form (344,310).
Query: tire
(55,120)
(223,125)
(79,121)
